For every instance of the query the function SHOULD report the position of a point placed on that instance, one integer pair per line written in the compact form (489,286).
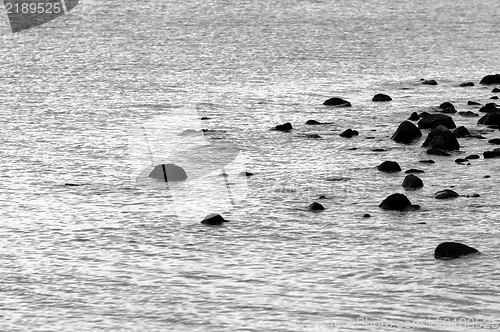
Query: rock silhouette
(395,202)
(406,132)
(445,194)
(490,79)
(429,82)
(389,167)
(213,219)
(335,101)
(348,133)
(315,207)
(441,138)
(452,250)
(414,117)
(168,173)
(312,122)
(468,114)
(490,119)
(284,127)
(466,84)
(433,120)
(473,103)
(461,132)
(412,182)
(381,97)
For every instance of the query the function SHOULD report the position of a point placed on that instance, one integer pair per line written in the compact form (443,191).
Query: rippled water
(81,93)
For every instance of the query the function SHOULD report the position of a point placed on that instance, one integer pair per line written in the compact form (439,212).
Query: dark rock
(487,176)
(433,120)
(489,108)
(389,167)
(315,207)
(366,215)
(441,138)
(430,161)
(490,119)
(466,84)
(468,114)
(429,82)
(312,122)
(337,102)
(370,137)
(244,173)
(461,160)
(472,156)
(438,152)
(445,194)
(322,197)
(494,97)
(495,90)
(348,133)
(72,185)
(224,174)
(491,79)
(379,150)
(412,182)
(284,127)
(446,105)
(452,250)
(204,118)
(473,103)
(461,132)
(316,136)
(168,173)
(395,202)
(414,117)
(381,97)
(424,114)
(495,153)
(449,110)
(495,141)
(414,170)
(213,219)
(406,132)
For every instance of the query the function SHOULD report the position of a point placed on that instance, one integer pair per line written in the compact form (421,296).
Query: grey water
(97,96)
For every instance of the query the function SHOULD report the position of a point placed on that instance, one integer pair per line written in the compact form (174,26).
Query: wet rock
(487,176)
(415,171)
(284,127)
(412,182)
(494,97)
(168,173)
(495,90)
(446,105)
(433,120)
(322,197)
(395,202)
(379,150)
(461,132)
(205,118)
(389,167)
(452,250)
(381,97)
(244,173)
(315,136)
(473,103)
(445,194)
(472,156)
(312,122)
(466,84)
(430,161)
(489,108)
(438,152)
(213,219)
(495,153)
(461,160)
(495,141)
(315,207)
(414,117)
(429,82)
(406,132)
(441,138)
(490,119)
(348,133)
(424,114)
(468,114)
(337,102)
(72,185)
(366,215)
(491,79)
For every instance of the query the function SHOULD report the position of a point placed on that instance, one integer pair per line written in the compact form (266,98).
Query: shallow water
(98,95)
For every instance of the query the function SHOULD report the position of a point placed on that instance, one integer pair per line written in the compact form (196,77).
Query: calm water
(98,95)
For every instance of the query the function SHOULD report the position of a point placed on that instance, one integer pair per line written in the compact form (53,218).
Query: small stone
(315,207)
(213,219)
(366,215)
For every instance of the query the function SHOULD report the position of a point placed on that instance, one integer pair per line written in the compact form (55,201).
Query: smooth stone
(490,119)
(414,170)
(468,114)
(335,101)
(406,132)
(495,90)
(379,150)
(366,215)
(430,161)
(414,117)
(412,182)
(205,118)
(381,97)
(348,133)
(492,154)
(489,108)
(466,84)
(441,138)
(434,120)
(429,82)
(213,219)
(461,160)
(495,141)
(487,176)
(494,97)
(389,167)
(472,156)
(315,207)
(312,122)
(461,132)
(452,250)
(284,127)
(445,194)
(490,79)
(446,105)
(473,103)
(395,202)
(168,173)
(424,114)
(438,152)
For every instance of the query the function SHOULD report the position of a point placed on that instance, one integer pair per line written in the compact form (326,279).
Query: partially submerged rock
(452,250)
(441,138)
(213,219)
(491,79)
(412,182)
(314,206)
(335,101)
(389,167)
(445,194)
(381,97)
(433,120)
(168,173)
(396,202)
(284,127)
(406,132)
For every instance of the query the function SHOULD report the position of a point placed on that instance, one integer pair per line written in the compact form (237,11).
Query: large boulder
(489,108)
(389,167)
(461,132)
(495,153)
(335,101)
(433,120)
(491,79)
(314,206)
(490,119)
(452,250)
(406,132)
(395,202)
(213,219)
(412,182)
(381,97)
(284,127)
(441,138)
(168,173)
(495,90)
